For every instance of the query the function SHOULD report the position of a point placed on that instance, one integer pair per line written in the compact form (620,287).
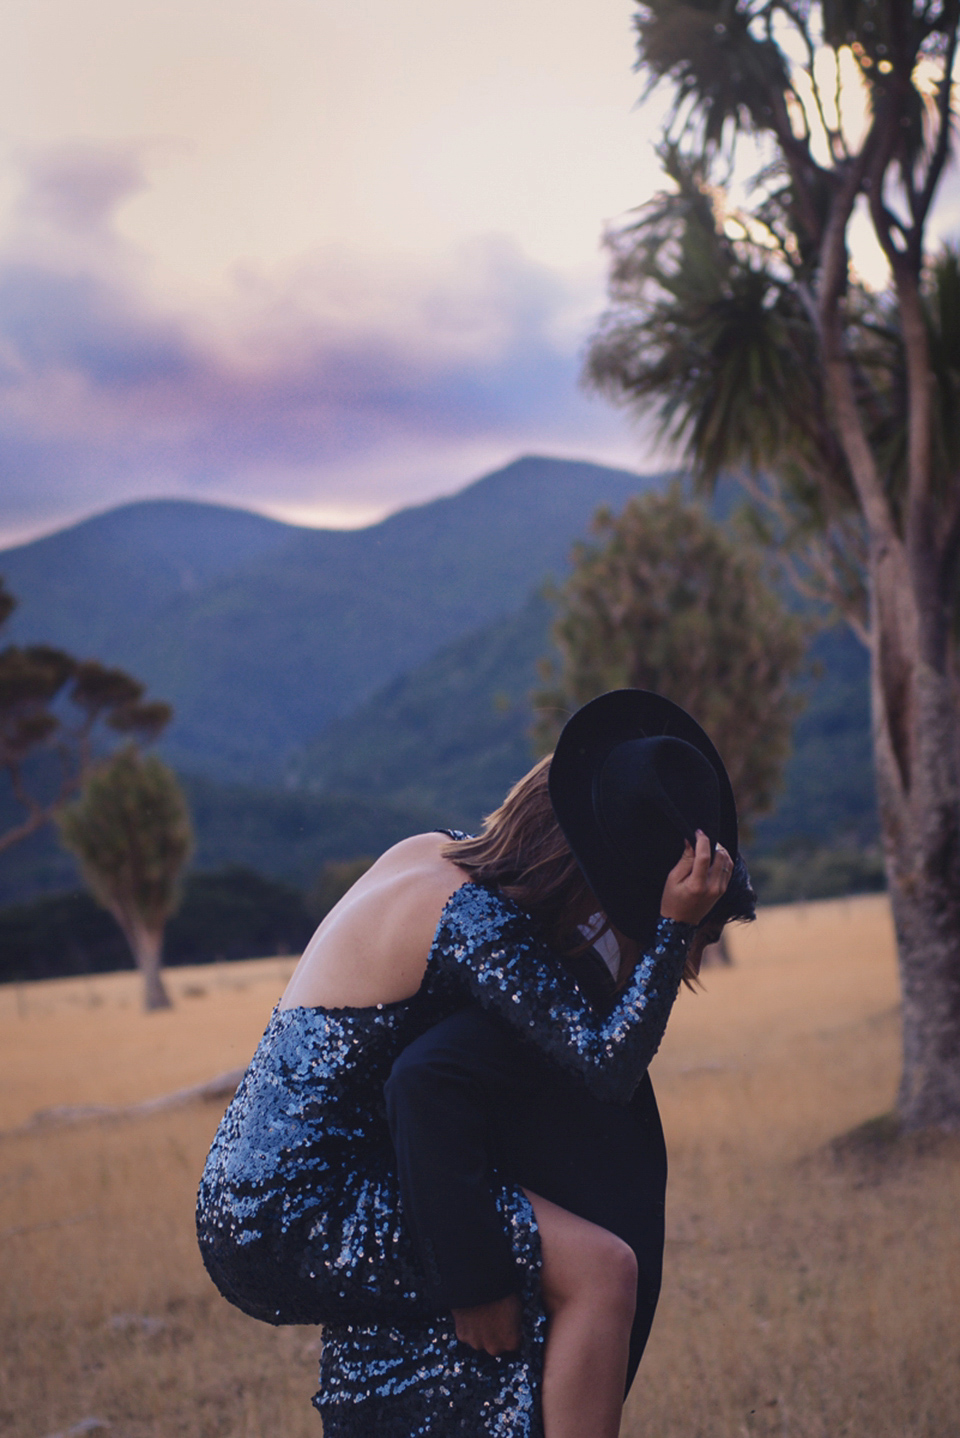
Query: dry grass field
(805,1295)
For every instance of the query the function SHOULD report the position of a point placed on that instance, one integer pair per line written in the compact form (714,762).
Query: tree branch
(886,129)
(827,567)
(800,163)
(812,76)
(920,536)
(37,814)
(833,281)
(942,147)
(950,544)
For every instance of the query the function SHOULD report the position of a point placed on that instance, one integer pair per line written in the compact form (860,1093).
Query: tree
(333,881)
(51,703)
(667,601)
(130,830)
(839,407)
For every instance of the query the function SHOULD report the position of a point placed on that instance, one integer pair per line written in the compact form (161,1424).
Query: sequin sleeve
(490,949)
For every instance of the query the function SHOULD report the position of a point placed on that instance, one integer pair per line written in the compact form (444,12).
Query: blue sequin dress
(299,1216)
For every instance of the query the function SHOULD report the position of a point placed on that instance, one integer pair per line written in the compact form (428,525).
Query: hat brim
(630,900)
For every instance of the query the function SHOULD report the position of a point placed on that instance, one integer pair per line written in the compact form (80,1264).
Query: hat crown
(644,782)
(633,775)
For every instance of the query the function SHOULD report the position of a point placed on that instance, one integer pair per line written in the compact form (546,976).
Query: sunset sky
(315,257)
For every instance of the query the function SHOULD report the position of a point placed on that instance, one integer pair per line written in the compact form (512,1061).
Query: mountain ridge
(335,688)
(302,624)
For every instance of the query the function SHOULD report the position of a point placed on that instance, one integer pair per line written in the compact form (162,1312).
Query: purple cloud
(331,384)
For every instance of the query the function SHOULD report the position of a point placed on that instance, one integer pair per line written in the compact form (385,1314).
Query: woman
(300,1215)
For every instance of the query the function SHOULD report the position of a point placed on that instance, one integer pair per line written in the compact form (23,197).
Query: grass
(811,1289)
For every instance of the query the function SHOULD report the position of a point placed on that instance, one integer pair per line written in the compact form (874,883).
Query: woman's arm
(489,949)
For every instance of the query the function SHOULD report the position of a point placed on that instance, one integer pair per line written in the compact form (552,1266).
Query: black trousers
(471,1107)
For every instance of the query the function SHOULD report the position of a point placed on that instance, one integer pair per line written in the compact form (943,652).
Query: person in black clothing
(477,1270)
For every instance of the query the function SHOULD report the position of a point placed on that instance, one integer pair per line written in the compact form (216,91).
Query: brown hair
(522,852)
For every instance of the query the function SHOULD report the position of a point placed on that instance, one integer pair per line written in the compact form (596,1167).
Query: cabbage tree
(130,830)
(738,316)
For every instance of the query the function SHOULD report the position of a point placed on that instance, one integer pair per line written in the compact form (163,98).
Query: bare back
(372,947)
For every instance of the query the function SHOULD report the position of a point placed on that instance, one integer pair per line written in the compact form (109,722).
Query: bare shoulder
(420,851)
(409,886)
(373,946)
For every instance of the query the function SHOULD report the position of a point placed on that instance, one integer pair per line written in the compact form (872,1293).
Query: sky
(318,258)
(312,257)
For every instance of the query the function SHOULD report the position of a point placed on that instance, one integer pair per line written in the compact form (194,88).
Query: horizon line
(335,517)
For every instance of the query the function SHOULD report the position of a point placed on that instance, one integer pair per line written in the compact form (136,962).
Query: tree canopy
(739,317)
(55,705)
(666,600)
(745,326)
(130,830)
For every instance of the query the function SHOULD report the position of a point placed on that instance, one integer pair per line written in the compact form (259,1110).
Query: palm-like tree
(130,830)
(64,708)
(838,407)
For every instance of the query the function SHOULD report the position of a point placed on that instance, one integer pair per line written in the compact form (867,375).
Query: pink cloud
(326,384)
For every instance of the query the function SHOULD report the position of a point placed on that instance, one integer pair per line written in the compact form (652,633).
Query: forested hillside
(450,735)
(259,634)
(335,691)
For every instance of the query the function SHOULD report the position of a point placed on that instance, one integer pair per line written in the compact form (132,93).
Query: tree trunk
(147,948)
(915,747)
(918,790)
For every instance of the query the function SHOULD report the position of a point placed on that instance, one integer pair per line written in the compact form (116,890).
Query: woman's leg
(589,1290)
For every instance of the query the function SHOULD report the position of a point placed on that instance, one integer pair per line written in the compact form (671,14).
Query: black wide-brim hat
(632,778)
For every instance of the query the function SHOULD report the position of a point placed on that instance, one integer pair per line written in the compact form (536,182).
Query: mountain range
(335,689)
(260,633)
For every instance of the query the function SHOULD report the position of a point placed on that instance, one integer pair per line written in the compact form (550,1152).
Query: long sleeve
(490,950)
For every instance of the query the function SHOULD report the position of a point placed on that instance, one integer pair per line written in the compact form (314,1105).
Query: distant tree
(236,913)
(130,830)
(229,913)
(668,601)
(333,881)
(51,703)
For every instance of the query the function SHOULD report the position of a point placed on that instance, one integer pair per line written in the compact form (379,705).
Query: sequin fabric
(419,1381)
(490,948)
(299,1216)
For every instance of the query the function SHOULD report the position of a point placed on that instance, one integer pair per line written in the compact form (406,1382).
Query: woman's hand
(491,1327)
(695,883)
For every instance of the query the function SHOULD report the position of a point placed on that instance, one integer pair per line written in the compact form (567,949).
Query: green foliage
(717,62)
(817,871)
(231,913)
(130,830)
(456,732)
(333,881)
(703,328)
(441,746)
(738,314)
(448,738)
(57,935)
(667,601)
(38,685)
(726,320)
(828,795)
(294,628)
(236,913)
(291,835)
